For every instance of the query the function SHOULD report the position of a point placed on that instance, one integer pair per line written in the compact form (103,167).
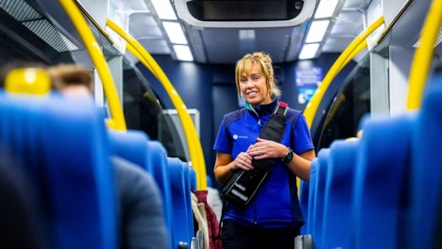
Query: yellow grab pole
(117,120)
(193,142)
(358,44)
(422,58)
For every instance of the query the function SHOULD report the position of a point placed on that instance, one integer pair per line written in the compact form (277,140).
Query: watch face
(289,156)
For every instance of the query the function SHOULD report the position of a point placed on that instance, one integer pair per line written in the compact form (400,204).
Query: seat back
(160,170)
(64,147)
(303,202)
(130,145)
(381,182)
(179,192)
(189,174)
(307,228)
(135,146)
(426,173)
(338,194)
(192,174)
(318,193)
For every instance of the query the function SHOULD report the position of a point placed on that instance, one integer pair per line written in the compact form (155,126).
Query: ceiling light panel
(183,52)
(164,9)
(326,8)
(309,51)
(317,31)
(175,32)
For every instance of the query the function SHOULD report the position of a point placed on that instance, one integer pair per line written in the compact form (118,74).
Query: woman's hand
(266,149)
(243,161)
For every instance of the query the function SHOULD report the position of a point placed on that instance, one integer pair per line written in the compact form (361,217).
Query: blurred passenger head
(262,63)
(72,80)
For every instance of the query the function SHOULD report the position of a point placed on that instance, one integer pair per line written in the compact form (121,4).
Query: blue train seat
(135,146)
(160,170)
(303,201)
(130,145)
(188,172)
(426,173)
(318,194)
(64,147)
(338,194)
(192,174)
(180,198)
(381,182)
(307,228)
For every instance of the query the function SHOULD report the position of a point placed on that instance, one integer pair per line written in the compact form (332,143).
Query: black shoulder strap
(275,126)
(243,185)
(272,130)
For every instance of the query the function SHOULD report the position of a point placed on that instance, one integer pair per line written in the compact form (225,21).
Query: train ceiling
(226,45)
(49,29)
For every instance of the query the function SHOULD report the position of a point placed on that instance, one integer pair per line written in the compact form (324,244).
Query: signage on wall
(305,94)
(307,80)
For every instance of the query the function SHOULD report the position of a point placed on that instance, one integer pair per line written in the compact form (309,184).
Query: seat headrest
(28,81)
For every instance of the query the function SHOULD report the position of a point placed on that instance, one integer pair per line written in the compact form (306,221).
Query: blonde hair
(70,74)
(264,65)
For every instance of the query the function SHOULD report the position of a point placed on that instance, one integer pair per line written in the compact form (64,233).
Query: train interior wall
(211,89)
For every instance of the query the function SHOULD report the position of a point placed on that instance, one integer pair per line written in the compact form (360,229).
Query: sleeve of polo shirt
(303,139)
(222,143)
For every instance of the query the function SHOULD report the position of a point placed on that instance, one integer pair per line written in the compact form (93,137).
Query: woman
(273,218)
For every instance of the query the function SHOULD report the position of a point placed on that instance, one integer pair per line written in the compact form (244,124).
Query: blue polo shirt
(276,205)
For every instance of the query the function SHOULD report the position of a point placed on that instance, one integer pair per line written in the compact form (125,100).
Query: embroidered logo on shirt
(236,137)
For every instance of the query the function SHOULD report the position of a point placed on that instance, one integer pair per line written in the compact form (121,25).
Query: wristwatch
(288,157)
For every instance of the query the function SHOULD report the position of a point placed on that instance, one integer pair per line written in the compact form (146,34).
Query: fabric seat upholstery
(336,227)
(380,197)
(64,147)
(426,174)
(318,193)
(180,200)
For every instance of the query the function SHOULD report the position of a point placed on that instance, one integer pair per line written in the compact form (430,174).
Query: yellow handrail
(193,142)
(354,48)
(117,120)
(422,58)
(356,51)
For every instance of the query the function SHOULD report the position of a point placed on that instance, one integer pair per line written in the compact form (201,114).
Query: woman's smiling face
(253,87)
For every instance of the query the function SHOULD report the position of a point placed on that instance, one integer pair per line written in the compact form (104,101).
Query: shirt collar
(262,110)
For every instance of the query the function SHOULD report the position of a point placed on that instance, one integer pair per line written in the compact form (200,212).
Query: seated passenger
(20,225)
(141,206)
(72,80)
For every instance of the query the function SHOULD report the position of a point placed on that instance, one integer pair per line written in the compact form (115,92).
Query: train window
(143,111)
(348,107)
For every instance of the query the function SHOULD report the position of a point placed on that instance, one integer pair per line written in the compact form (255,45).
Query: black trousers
(236,236)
